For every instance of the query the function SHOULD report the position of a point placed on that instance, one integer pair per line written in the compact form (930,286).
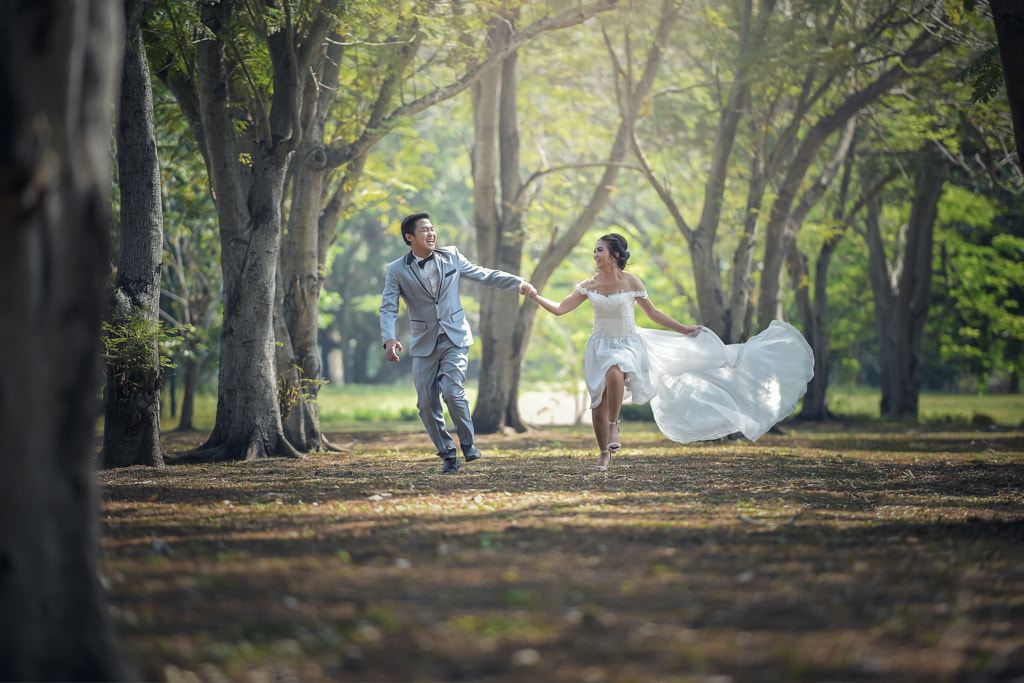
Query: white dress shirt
(432,274)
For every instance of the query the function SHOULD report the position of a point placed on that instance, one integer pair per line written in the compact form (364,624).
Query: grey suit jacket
(431,316)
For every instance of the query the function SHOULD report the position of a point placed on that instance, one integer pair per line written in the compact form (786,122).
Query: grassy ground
(854,555)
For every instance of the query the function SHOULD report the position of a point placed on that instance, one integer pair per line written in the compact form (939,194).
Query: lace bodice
(614,314)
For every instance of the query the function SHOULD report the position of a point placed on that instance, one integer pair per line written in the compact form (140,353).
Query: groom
(427,278)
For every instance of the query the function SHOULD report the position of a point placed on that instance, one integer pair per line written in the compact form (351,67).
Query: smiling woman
(699,388)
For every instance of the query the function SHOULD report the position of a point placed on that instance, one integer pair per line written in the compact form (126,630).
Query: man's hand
(392,348)
(526,289)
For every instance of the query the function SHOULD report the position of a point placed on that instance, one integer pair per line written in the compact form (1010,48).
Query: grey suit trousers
(442,374)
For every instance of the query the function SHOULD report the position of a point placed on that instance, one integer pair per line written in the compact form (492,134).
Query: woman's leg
(599,416)
(615,380)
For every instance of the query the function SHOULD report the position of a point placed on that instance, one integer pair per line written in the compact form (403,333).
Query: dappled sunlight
(795,555)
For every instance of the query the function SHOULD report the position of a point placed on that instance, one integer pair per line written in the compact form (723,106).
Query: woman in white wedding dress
(699,387)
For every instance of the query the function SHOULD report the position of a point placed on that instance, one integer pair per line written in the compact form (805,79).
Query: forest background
(849,166)
(838,164)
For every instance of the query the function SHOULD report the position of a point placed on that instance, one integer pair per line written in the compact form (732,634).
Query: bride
(699,387)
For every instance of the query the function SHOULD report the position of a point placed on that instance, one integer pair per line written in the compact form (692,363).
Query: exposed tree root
(237,449)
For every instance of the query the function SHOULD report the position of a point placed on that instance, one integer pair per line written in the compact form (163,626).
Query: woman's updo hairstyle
(618,247)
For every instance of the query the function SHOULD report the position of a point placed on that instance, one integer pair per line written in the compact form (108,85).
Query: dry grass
(885,556)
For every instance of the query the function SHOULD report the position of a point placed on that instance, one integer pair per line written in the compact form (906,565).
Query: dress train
(706,389)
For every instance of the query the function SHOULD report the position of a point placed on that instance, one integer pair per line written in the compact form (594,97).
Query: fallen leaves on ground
(843,556)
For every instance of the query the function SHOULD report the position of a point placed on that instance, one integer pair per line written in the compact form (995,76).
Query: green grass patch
(372,407)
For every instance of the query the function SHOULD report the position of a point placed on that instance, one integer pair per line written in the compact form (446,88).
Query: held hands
(528,290)
(393,347)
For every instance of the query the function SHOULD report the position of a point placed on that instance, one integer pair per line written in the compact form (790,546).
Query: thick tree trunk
(131,428)
(902,294)
(485,95)
(499,239)
(248,422)
(303,262)
(1008,17)
(58,69)
(311,228)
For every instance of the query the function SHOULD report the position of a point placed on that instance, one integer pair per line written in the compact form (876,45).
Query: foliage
(289,394)
(568,117)
(129,352)
(985,75)
(980,267)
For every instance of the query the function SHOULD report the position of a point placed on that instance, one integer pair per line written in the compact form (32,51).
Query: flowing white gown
(699,387)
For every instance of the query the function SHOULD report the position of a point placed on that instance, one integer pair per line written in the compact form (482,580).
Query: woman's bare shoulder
(634,283)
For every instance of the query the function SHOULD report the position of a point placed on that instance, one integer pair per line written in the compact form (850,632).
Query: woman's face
(603,255)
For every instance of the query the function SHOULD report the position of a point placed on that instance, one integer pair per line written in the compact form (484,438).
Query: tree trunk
(59,69)
(1008,17)
(301,281)
(248,423)
(499,235)
(131,428)
(248,198)
(902,294)
(311,227)
(188,396)
(813,313)
(701,241)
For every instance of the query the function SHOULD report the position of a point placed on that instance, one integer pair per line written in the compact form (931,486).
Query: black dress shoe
(451,466)
(472,454)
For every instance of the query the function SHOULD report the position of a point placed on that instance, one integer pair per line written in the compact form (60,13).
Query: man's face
(423,238)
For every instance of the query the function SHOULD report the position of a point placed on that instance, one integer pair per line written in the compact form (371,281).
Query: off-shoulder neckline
(638,292)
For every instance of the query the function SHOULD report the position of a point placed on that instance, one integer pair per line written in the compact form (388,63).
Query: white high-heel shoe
(614,446)
(603,468)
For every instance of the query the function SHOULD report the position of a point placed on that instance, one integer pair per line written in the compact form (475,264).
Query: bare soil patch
(831,556)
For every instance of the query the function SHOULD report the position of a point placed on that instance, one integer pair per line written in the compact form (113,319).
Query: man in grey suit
(427,278)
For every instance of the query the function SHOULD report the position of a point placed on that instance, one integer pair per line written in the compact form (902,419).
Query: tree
(247,171)
(312,224)
(781,228)
(812,296)
(780,81)
(1008,18)
(499,229)
(59,64)
(633,91)
(902,286)
(131,399)
(979,288)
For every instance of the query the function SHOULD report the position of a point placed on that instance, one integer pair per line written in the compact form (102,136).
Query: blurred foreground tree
(59,65)
(1008,17)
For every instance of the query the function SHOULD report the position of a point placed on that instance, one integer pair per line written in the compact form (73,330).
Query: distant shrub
(983,421)
(636,412)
